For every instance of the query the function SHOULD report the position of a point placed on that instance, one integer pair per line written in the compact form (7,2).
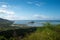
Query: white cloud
(36,3)
(15,17)
(10,15)
(40,17)
(6,12)
(44,17)
(4,6)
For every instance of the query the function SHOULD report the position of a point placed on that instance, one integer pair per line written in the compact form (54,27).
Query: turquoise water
(36,22)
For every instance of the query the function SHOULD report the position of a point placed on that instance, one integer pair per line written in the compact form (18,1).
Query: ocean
(36,22)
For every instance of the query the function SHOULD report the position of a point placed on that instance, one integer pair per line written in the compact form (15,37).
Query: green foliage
(47,32)
(12,38)
(2,38)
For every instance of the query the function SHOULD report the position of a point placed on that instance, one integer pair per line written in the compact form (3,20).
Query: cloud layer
(11,14)
(36,3)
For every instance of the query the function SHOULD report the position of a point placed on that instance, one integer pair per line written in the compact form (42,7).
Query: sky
(30,9)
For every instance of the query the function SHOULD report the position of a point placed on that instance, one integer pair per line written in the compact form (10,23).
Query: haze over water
(37,22)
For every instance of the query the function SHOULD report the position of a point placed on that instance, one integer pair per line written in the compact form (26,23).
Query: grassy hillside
(47,32)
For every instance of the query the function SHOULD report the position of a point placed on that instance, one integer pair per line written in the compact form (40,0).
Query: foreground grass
(47,32)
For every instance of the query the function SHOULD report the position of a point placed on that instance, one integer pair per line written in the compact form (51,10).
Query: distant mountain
(5,23)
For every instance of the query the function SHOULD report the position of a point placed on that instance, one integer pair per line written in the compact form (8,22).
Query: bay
(36,22)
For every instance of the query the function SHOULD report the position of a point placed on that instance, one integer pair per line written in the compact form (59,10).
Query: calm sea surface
(36,22)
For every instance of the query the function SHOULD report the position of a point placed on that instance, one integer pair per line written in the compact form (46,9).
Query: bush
(46,34)
(2,38)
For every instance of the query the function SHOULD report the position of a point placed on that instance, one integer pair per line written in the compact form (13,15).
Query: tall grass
(47,32)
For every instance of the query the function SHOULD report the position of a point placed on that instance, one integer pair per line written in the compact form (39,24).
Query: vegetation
(46,32)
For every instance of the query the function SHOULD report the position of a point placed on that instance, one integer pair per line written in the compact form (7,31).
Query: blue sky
(30,9)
